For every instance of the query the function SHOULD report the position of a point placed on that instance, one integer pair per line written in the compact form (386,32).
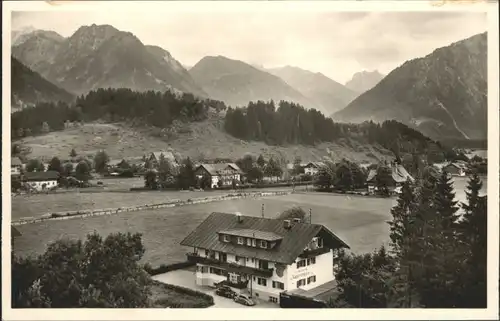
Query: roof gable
(41,176)
(292,243)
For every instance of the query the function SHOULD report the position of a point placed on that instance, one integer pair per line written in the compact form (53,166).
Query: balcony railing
(312,253)
(230,267)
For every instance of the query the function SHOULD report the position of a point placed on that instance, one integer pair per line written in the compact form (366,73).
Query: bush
(205,302)
(164,268)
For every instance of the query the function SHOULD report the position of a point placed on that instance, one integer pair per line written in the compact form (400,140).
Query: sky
(337,44)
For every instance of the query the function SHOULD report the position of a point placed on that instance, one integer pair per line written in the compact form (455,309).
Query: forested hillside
(289,123)
(112,105)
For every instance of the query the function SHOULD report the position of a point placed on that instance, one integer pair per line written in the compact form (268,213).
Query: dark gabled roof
(15,161)
(399,174)
(315,164)
(292,244)
(216,169)
(41,176)
(256,234)
(14,232)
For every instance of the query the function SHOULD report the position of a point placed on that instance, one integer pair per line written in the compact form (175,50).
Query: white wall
(38,185)
(322,269)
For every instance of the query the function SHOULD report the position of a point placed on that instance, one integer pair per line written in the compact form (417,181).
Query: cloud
(337,44)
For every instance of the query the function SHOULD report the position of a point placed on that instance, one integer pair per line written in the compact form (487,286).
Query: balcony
(314,252)
(230,267)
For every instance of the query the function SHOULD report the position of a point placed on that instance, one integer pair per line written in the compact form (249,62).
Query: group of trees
(256,169)
(45,117)
(344,175)
(152,108)
(289,123)
(169,175)
(437,257)
(96,273)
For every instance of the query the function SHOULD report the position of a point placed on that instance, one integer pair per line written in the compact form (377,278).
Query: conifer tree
(474,237)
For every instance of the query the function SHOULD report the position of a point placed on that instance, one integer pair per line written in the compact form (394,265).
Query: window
(239,258)
(207,252)
(261,281)
(278,285)
(301,283)
(204,269)
(320,242)
(301,263)
(273,299)
(263,244)
(313,260)
(226,238)
(240,240)
(254,242)
(217,271)
(311,279)
(249,242)
(264,265)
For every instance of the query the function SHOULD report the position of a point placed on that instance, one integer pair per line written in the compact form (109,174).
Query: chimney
(287,224)
(239,217)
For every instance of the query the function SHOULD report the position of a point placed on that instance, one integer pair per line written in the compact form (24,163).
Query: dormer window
(263,244)
(240,240)
(249,242)
(254,242)
(226,238)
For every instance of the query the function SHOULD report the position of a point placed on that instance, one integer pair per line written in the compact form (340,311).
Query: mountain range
(328,95)
(29,88)
(237,83)
(100,56)
(444,94)
(364,80)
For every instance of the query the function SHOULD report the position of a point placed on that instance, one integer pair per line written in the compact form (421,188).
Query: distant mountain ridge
(444,94)
(237,83)
(326,93)
(29,88)
(364,80)
(101,56)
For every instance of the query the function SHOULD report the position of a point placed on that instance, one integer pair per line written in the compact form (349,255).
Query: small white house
(312,168)
(41,181)
(262,257)
(15,166)
(224,173)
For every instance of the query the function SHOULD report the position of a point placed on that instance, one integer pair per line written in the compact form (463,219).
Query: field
(359,221)
(197,140)
(39,204)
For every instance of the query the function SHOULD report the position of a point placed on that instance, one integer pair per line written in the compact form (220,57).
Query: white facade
(303,273)
(311,170)
(15,170)
(42,185)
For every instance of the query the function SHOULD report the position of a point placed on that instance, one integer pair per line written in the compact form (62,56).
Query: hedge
(208,299)
(164,268)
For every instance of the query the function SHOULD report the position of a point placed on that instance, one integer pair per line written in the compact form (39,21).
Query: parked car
(225,291)
(244,299)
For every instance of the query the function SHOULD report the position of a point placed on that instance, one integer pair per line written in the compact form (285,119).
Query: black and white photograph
(252,155)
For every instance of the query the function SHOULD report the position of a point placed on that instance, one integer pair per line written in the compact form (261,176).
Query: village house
(399,175)
(458,168)
(154,158)
(224,173)
(312,168)
(15,166)
(40,181)
(260,256)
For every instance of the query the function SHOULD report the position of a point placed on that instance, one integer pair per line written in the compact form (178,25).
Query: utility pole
(310,216)
(262,210)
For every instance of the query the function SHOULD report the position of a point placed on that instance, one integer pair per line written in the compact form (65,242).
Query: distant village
(166,170)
